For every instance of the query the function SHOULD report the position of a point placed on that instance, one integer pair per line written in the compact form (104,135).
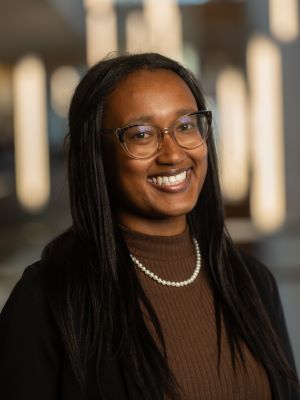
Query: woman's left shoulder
(257,269)
(263,280)
(267,289)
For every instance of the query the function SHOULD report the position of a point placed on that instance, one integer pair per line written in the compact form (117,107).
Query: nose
(169,151)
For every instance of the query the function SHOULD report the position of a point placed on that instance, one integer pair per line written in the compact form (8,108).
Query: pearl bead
(172,283)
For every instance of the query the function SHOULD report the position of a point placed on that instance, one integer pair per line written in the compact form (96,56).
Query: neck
(154,227)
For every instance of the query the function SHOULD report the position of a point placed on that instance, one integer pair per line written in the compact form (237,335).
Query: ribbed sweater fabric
(187,318)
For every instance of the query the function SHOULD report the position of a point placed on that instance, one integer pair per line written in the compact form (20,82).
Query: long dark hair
(96,297)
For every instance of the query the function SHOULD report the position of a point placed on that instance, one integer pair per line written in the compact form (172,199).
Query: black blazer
(34,364)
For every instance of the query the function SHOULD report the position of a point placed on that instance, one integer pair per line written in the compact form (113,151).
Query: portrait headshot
(162,282)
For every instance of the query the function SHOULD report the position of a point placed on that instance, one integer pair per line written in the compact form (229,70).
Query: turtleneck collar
(159,247)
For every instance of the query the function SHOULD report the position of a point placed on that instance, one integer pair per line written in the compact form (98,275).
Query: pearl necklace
(172,283)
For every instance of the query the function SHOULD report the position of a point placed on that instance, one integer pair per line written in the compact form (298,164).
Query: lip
(177,187)
(171,172)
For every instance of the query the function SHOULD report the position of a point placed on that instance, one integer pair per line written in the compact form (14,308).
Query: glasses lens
(191,130)
(141,140)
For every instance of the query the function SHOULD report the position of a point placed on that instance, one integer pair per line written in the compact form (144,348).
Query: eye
(139,133)
(186,126)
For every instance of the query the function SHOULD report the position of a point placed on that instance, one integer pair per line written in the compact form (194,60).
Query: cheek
(201,160)
(133,176)
(205,163)
(201,168)
(135,169)
(128,177)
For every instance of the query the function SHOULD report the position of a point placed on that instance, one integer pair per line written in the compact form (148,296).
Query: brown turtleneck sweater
(187,318)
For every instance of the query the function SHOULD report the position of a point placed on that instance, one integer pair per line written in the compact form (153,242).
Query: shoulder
(30,345)
(31,279)
(40,280)
(268,292)
(28,287)
(30,284)
(27,303)
(261,275)
(267,289)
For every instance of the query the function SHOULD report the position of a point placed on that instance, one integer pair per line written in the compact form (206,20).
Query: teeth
(181,177)
(169,180)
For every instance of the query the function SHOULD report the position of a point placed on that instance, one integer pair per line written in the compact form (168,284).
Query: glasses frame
(120,133)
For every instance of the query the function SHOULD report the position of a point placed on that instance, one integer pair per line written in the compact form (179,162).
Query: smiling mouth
(169,180)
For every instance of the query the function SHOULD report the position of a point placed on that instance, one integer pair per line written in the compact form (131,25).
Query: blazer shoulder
(263,278)
(27,299)
(32,276)
(30,346)
(267,289)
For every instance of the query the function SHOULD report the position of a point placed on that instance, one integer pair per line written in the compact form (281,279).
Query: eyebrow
(149,118)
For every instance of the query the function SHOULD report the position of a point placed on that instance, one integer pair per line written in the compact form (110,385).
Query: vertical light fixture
(62,83)
(268,203)
(31,137)
(192,58)
(164,27)
(101,29)
(284,19)
(136,32)
(233,133)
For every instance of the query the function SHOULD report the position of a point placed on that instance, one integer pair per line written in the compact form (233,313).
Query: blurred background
(247,57)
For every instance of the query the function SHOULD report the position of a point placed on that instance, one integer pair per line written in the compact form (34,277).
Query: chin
(176,211)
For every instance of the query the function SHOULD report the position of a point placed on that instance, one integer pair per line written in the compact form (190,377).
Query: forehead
(148,93)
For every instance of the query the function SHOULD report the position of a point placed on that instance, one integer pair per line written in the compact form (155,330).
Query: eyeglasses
(144,140)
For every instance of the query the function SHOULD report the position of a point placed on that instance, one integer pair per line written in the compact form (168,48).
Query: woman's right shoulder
(27,301)
(31,349)
(31,278)
(30,291)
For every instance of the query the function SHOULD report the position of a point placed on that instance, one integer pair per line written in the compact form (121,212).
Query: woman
(145,296)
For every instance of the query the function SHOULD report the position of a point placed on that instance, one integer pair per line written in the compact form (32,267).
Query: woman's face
(157,97)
